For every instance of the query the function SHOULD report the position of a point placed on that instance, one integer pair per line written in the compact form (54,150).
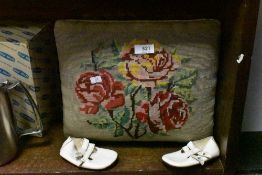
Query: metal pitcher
(8,132)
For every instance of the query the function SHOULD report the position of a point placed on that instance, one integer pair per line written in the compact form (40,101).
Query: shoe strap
(84,149)
(190,149)
(81,146)
(90,150)
(201,157)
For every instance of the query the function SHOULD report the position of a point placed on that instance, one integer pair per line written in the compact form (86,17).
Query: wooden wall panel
(239,26)
(109,9)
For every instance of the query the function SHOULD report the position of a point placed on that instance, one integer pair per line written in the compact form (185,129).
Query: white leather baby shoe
(194,153)
(82,153)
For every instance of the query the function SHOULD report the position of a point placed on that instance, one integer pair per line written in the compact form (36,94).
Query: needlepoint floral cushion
(113,91)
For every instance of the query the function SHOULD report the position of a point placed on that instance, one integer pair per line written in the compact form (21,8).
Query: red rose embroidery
(146,69)
(165,112)
(108,92)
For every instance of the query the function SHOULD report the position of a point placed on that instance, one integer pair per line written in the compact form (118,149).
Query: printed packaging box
(28,54)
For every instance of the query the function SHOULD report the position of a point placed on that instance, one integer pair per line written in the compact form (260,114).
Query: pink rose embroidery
(146,69)
(165,112)
(108,92)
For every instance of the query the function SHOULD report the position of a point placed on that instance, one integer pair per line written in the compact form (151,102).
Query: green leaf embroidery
(104,59)
(188,82)
(115,48)
(102,109)
(184,77)
(118,131)
(191,109)
(109,63)
(130,88)
(119,77)
(142,94)
(122,117)
(125,117)
(102,123)
(185,93)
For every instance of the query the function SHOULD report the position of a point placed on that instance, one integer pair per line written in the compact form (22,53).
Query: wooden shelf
(41,156)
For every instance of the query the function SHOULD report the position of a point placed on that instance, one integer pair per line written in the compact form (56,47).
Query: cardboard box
(28,54)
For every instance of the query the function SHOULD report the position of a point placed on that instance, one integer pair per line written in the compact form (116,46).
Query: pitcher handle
(38,131)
